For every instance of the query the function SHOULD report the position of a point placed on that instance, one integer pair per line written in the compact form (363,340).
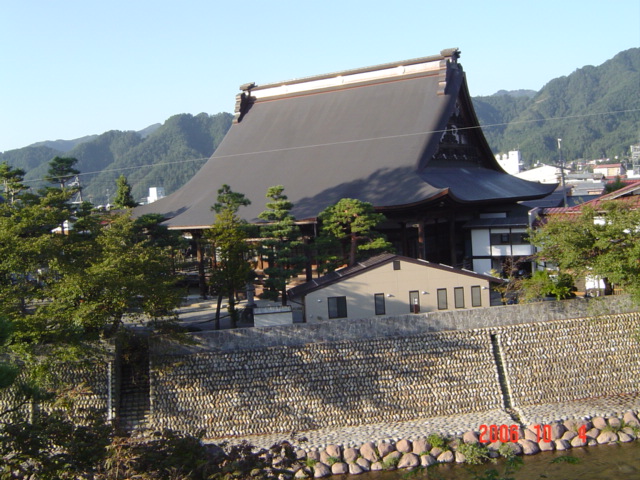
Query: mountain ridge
(595,110)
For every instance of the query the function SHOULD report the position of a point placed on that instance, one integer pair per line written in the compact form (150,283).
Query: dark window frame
(456,292)
(414,295)
(476,293)
(339,307)
(377,303)
(442,305)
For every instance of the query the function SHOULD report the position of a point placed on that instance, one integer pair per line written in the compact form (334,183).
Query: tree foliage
(603,242)
(123,198)
(280,244)
(351,222)
(228,235)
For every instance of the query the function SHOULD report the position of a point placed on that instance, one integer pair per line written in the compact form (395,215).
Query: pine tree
(279,245)
(123,198)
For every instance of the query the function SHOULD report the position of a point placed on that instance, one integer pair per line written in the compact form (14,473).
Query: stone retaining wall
(568,360)
(297,387)
(282,389)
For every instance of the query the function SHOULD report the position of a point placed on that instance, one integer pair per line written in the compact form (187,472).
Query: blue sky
(70,68)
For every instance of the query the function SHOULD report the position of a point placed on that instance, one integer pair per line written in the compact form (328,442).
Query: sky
(70,68)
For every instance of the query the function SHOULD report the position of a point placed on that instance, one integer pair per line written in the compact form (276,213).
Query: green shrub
(474,453)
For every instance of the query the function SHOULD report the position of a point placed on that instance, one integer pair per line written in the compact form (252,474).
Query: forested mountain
(595,110)
(159,156)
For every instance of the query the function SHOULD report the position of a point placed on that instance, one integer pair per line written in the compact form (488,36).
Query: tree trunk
(354,247)
(217,322)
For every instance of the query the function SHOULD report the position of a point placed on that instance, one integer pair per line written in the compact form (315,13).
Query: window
(458,297)
(414,302)
(396,264)
(378,299)
(442,299)
(500,239)
(476,297)
(337,307)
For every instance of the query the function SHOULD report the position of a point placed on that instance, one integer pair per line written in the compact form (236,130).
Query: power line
(345,142)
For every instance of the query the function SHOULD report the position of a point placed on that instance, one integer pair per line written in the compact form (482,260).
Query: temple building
(403,136)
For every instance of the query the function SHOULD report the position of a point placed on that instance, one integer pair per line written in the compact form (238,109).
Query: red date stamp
(511,433)
(499,433)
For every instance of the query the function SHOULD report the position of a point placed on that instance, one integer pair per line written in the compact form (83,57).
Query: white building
(510,162)
(155,193)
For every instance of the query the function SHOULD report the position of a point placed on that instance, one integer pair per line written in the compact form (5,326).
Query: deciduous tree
(603,242)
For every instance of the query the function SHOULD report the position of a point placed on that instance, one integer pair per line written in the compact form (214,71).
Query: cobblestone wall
(91,390)
(298,387)
(567,360)
(282,389)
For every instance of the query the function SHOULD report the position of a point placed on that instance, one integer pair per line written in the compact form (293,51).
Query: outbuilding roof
(375,262)
(371,134)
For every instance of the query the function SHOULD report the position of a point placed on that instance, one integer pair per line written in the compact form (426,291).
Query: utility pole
(564,190)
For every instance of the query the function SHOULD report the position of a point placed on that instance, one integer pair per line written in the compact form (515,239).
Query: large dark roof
(367,134)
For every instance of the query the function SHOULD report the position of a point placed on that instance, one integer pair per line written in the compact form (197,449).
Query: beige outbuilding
(388,285)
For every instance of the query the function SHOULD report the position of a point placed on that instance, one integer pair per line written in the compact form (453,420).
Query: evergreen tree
(228,234)
(279,244)
(12,180)
(352,223)
(61,170)
(123,198)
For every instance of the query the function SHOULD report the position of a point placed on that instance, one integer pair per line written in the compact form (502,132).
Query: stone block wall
(568,360)
(285,388)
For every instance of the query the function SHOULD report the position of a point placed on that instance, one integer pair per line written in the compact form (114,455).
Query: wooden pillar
(202,281)
(422,241)
(452,239)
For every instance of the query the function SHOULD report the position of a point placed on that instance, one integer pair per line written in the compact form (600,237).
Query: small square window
(337,307)
(396,264)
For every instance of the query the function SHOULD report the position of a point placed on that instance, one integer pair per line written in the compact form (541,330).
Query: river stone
(314,455)
(421,446)
(301,473)
(607,437)
(321,470)
(446,457)
(435,452)
(629,431)
(614,422)
(364,464)
(301,454)
(599,423)
(404,446)
(376,466)
(427,460)
(630,418)
(385,448)
(593,433)
(460,458)
(350,455)
(334,451)
(569,435)
(339,468)
(557,430)
(470,437)
(546,446)
(531,435)
(392,458)
(355,469)
(623,437)
(409,460)
(529,447)
(562,445)
(368,451)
